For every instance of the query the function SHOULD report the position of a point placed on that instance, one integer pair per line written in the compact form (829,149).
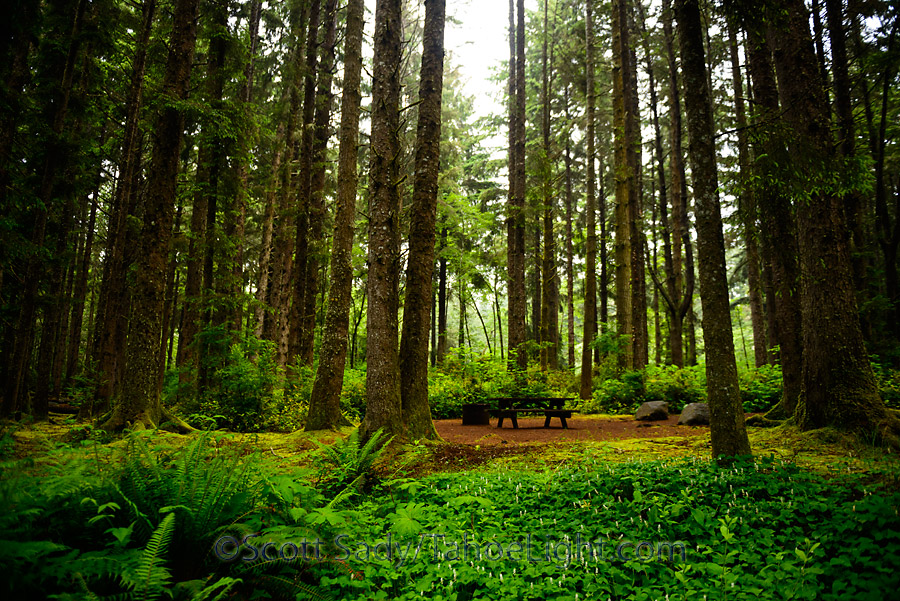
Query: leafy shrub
(243,389)
(761,388)
(888,384)
(353,394)
(469,378)
(448,393)
(616,396)
(344,467)
(677,387)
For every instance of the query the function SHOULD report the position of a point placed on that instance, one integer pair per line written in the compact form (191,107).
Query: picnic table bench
(510,407)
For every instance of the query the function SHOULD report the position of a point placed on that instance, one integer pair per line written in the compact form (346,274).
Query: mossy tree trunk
(420,270)
(138,402)
(778,219)
(838,385)
(324,403)
(727,430)
(316,204)
(590,273)
(516,332)
(383,408)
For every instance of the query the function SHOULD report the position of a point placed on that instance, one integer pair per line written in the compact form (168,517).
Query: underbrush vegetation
(216,520)
(467,378)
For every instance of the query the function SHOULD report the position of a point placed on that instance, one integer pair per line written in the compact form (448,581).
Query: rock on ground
(652,411)
(694,414)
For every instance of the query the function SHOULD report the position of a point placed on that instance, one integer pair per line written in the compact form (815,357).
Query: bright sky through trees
(477,40)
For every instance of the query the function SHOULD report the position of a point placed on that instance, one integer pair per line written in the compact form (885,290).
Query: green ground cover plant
(211,516)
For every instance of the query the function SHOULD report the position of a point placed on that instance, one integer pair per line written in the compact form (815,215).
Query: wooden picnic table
(510,407)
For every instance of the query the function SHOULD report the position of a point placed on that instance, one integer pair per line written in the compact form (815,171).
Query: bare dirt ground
(584,429)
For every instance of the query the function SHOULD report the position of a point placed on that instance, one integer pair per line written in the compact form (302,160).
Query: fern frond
(295,588)
(151,575)
(348,492)
(220,588)
(83,586)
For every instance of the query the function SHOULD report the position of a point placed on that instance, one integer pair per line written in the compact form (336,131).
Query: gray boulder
(694,414)
(652,411)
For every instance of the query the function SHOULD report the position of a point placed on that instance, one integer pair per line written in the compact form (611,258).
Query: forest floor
(814,515)
(614,438)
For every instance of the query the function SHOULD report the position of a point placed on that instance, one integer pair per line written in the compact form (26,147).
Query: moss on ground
(826,451)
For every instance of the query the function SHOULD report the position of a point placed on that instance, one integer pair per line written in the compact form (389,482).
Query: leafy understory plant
(344,466)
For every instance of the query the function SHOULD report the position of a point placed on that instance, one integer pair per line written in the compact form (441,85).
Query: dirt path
(531,430)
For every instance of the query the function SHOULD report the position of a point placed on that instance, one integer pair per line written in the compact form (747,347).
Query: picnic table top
(539,401)
(531,398)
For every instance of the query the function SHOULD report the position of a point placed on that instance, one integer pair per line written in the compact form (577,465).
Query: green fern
(151,577)
(345,465)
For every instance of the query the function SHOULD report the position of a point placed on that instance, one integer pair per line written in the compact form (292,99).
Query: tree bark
(316,207)
(550,283)
(516,332)
(299,291)
(324,403)
(838,384)
(680,280)
(383,409)
(236,216)
(139,400)
(640,337)
(570,254)
(624,183)
(52,165)
(278,291)
(80,291)
(420,268)
(590,276)
(727,430)
(779,224)
(747,208)
(442,302)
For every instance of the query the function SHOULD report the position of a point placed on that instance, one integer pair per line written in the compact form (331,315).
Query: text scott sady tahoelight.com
(527,547)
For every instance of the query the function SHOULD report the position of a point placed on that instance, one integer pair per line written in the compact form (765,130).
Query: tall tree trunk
(820,44)
(778,218)
(838,384)
(213,345)
(727,430)
(442,301)
(550,283)
(640,336)
(420,269)
(80,294)
(602,247)
(298,290)
(383,409)
(570,254)
(268,226)
(624,182)
(236,215)
(139,401)
(170,301)
(278,291)
(887,234)
(671,295)
(680,279)
(461,331)
(54,163)
(590,276)
(843,104)
(316,212)
(324,403)
(516,335)
(747,208)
